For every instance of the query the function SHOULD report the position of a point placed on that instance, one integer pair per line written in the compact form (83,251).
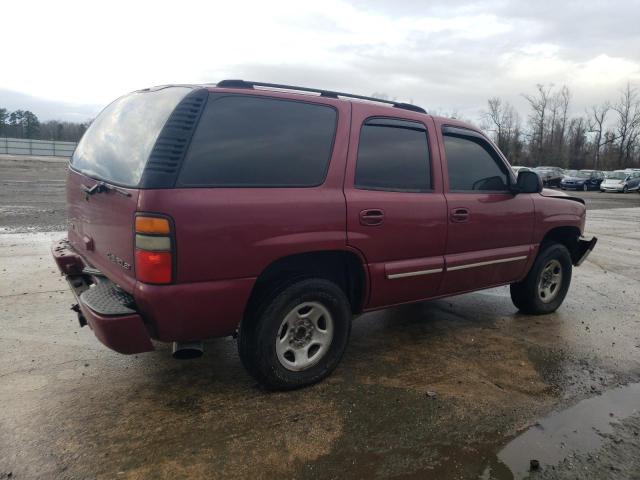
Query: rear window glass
(116,146)
(246,141)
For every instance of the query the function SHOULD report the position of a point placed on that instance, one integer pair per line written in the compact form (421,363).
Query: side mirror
(528,182)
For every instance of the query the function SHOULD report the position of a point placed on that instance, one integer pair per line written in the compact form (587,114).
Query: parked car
(263,212)
(551,176)
(582,180)
(621,181)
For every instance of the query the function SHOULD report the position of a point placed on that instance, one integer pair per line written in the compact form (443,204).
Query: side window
(473,166)
(393,155)
(244,141)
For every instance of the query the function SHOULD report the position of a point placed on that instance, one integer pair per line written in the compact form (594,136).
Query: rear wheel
(625,189)
(544,288)
(585,187)
(297,336)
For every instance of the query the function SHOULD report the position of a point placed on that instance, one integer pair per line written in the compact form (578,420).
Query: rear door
(489,229)
(396,212)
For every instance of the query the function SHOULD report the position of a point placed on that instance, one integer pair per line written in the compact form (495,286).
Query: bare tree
(539,104)
(577,145)
(563,100)
(627,109)
(597,117)
(503,120)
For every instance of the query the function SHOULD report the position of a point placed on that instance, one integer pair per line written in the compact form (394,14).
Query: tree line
(25,124)
(605,136)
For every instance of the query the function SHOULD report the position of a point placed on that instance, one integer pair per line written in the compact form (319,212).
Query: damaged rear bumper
(109,311)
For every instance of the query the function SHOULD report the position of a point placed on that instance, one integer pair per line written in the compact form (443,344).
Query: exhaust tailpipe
(185,351)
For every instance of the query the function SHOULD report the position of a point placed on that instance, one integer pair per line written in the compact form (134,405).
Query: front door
(396,210)
(490,229)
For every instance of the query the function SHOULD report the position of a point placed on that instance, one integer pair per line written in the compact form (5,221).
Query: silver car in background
(621,181)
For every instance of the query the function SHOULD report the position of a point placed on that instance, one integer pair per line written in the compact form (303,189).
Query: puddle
(577,430)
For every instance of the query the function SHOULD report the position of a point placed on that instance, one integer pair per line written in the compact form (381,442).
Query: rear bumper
(181,312)
(115,324)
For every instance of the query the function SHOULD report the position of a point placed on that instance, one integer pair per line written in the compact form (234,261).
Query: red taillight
(154,250)
(153,267)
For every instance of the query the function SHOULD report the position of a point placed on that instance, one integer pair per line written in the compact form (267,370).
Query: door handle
(371,217)
(459,215)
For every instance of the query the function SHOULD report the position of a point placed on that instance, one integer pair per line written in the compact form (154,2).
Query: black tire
(526,295)
(625,189)
(585,188)
(260,330)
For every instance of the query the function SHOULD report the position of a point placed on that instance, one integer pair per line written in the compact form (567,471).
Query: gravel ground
(32,197)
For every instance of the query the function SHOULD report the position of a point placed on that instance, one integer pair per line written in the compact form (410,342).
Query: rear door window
(393,155)
(117,145)
(244,141)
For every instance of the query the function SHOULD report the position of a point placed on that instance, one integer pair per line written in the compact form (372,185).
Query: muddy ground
(459,388)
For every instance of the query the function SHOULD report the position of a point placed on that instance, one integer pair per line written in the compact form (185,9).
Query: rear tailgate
(114,152)
(101,228)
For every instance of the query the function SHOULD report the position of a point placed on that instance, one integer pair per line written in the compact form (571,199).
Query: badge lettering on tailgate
(117,260)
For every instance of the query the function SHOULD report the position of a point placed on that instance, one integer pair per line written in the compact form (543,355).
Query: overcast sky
(443,55)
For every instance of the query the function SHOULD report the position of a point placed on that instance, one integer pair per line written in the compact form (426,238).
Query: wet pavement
(464,387)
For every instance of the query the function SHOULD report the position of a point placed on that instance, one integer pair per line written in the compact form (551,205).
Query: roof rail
(323,93)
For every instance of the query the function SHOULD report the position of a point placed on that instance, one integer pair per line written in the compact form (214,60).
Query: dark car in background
(551,176)
(582,180)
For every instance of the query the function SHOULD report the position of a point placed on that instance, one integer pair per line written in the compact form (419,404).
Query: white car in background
(621,181)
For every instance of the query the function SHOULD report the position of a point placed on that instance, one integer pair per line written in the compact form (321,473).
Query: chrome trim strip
(490,262)
(393,276)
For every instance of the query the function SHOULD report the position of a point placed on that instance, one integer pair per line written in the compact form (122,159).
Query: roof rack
(323,93)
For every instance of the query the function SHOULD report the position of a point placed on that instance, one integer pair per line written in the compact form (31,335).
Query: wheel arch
(565,235)
(343,267)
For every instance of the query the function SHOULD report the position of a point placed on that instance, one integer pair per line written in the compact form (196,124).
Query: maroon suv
(277,213)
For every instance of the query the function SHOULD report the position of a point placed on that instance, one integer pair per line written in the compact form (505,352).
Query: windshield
(618,175)
(583,174)
(118,143)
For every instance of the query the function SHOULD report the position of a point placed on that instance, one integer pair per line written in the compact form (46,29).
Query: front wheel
(546,285)
(297,336)
(625,189)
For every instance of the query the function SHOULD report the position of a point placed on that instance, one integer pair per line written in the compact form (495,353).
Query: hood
(614,181)
(575,179)
(547,192)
